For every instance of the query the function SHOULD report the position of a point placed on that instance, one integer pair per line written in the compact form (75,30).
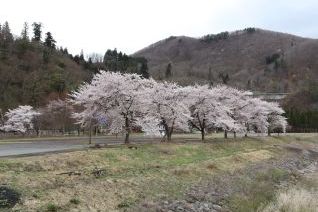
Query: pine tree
(65,51)
(81,57)
(49,41)
(25,31)
(6,32)
(6,40)
(37,31)
(144,68)
(169,70)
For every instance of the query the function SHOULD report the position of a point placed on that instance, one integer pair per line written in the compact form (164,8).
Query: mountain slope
(31,73)
(258,60)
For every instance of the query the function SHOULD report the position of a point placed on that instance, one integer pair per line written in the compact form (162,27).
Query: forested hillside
(254,59)
(33,70)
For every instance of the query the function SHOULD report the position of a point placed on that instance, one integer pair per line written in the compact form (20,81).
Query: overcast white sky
(129,25)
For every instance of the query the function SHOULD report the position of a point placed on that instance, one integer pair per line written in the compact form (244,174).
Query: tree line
(301,109)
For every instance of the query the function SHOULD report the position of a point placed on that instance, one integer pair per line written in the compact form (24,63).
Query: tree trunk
(37,132)
(169,136)
(127,138)
(268,132)
(245,135)
(170,133)
(225,133)
(90,134)
(127,130)
(202,135)
(234,134)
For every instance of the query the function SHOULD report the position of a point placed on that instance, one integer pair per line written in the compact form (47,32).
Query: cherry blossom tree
(263,116)
(257,119)
(237,102)
(20,119)
(207,110)
(165,109)
(276,120)
(115,96)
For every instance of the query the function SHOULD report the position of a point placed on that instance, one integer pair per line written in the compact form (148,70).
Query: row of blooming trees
(123,102)
(128,101)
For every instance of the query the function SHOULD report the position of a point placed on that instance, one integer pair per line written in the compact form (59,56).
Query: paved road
(15,147)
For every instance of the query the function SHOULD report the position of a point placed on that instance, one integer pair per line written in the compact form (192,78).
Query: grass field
(248,174)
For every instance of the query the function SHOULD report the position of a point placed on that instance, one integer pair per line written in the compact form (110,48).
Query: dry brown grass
(295,200)
(212,166)
(301,197)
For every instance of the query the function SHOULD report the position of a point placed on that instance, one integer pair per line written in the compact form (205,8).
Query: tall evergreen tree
(25,31)
(49,41)
(65,51)
(169,70)
(143,70)
(81,57)
(6,32)
(6,39)
(37,31)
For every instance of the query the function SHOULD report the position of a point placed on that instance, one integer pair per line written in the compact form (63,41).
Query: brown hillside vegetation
(31,73)
(259,60)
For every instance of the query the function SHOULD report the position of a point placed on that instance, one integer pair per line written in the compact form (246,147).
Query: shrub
(125,204)
(75,201)
(51,207)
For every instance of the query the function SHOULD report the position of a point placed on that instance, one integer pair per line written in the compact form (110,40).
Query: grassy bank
(130,179)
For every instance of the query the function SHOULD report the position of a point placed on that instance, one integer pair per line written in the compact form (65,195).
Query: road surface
(16,147)
(30,146)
